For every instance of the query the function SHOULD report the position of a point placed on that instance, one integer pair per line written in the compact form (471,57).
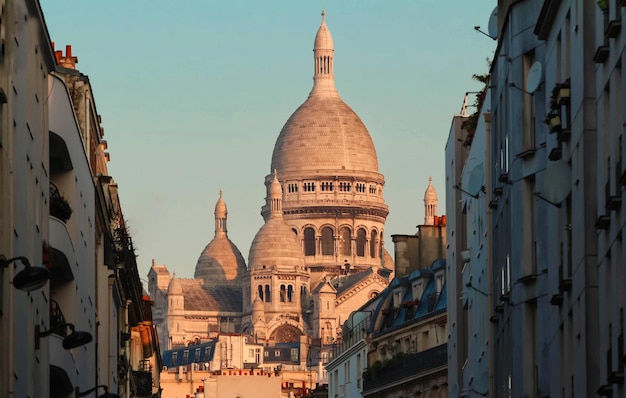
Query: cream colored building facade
(61,333)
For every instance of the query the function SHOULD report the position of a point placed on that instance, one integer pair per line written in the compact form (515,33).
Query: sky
(193,95)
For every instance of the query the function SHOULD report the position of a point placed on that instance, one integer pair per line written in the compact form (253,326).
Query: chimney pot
(68,51)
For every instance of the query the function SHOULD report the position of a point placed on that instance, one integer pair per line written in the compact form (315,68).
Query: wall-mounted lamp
(28,279)
(73,340)
(107,394)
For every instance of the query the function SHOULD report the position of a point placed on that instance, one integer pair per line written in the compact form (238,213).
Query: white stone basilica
(320,254)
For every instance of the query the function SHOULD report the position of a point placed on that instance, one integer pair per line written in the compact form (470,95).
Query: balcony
(60,358)
(405,366)
(141,383)
(613,201)
(62,253)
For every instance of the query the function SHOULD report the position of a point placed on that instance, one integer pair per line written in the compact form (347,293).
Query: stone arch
(374,242)
(309,241)
(286,333)
(361,239)
(345,241)
(327,240)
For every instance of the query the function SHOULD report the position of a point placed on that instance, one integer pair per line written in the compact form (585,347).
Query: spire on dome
(275,198)
(221,213)
(323,50)
(430,203)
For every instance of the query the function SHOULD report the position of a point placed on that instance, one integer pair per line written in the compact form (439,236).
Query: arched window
(360,242)
(283,293)
(309,241)
(328,239)
(261,292)
(268,296)
(290,294)
(345,241)
(374,244)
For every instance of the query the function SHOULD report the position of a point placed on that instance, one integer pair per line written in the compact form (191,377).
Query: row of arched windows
(285,293)
(324,244)
(329,186)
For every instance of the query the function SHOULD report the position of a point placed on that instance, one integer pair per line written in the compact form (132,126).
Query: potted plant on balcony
(553,120)
(603,4)
(59,206)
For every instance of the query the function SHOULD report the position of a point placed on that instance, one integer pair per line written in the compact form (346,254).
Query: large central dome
(324,134)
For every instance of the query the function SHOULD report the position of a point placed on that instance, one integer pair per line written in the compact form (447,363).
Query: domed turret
(430,203)
(221,261)
(275,243)
(174,288)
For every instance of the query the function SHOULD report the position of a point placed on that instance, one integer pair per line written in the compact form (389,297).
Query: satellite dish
(557,182)
(475,181)
(533,78)
(492,28)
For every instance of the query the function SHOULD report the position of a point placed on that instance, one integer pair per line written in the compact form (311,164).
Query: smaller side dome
(174,286)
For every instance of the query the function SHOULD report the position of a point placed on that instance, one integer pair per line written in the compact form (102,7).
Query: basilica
(319,255)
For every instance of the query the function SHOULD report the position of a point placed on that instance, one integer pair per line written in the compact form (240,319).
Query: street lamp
(28,279)
(73,340)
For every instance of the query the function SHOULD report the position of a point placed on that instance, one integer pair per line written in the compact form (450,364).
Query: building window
(292,188)
(290,294)
(268,296)
(196,357)
(345,186)
(360,242)
(345,241)
(309,241)
(294,355)
(326,186)
(374,244)
(261,292)
(359,370)
(174,361)
(266,353)
(372,189)
(309,187)
(185,356)
(328,241)
(440,282)
(283,293)
(418,290)
(397,298)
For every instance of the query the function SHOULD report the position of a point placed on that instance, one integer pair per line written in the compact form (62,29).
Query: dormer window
(397,298)
(418,290)
(440,279)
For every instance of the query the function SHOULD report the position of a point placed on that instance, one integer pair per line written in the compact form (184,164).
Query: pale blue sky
(194,93)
